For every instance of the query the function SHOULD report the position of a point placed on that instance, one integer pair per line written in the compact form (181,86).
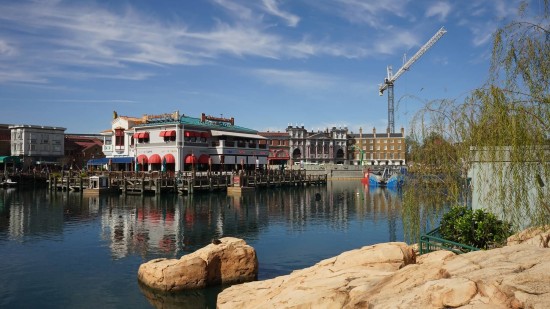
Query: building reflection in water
(171,225)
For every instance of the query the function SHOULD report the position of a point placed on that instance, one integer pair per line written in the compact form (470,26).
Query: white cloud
(400,42)
(6,49)
(272,8)
(372,13)
(440,9)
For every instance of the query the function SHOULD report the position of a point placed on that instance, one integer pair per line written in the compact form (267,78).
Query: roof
(237,134)
(9,159)
(378,135)
(186,120)
(274,134)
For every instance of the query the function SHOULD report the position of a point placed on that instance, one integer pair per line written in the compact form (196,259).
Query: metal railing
(432,241)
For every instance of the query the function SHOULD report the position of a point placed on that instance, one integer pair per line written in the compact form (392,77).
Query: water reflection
(290,228)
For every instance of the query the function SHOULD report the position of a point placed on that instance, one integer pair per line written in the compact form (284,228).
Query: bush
(478,228)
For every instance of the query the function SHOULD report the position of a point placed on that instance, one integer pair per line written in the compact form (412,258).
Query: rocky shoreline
(386,275)
(390,275)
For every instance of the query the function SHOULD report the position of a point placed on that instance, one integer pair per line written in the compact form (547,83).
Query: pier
(184,183)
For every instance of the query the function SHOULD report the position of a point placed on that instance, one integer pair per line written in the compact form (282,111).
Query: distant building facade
(80,149)
(5,140)
(37,144)
(175,142)
(321,147)
(279,147)
(377,148)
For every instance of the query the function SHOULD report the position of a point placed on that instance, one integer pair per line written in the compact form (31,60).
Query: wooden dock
(185,182)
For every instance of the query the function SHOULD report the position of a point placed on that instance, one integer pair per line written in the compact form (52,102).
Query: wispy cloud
(272,8)
(400,41)
(440,9)
(372,13)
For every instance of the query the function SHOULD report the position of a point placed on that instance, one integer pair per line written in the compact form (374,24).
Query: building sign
(217,120)
(168,117)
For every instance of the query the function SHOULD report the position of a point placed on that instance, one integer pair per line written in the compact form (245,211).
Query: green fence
(432,242)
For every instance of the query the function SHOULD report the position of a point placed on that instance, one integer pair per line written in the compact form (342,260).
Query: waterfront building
(321,147)
(279,147)
(5,140)
(37,145)
(81,148)
(174,142)
(377,149)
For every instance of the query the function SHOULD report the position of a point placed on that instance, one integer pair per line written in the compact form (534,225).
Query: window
(391,147)
(119,137)
(399,141)
(399,147)
(371,141)
(385,147)
(385,141)
(377,147)
(371,148)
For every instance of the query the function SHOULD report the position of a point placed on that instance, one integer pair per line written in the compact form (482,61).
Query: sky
(267,63)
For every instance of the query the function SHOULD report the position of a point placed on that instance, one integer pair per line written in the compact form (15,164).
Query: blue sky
(268,63)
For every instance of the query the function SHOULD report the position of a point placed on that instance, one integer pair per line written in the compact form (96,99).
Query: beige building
(377,148)
(37,144)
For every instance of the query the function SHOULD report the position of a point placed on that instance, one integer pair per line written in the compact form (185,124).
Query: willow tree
(500,133)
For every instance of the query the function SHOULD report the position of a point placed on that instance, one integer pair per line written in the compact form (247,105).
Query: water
(61,250)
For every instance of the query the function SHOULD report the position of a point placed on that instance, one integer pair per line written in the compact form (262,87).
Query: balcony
(107,148)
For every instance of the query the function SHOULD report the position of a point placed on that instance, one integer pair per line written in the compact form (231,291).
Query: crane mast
(390,79)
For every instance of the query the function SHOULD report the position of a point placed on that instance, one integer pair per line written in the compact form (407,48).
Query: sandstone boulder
(230,261)
(387,276)
(538,236)
(324,285)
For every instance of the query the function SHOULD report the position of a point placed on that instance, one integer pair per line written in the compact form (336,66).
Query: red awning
(203,159)
(191,159)
(169,158)
(168,133)
(141,135)
(142,159)
(205,134)
(192,133)
(171,133)
(155,159)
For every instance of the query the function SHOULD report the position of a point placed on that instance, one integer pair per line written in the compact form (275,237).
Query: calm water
(61,250)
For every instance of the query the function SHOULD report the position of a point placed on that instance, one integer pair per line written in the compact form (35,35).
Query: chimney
(360,132)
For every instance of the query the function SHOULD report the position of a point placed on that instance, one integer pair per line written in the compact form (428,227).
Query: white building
(179,142)
(37,144)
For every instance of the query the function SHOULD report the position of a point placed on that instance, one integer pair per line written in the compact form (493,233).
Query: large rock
(538,236)
(387,276)
(231,261)
(324,285)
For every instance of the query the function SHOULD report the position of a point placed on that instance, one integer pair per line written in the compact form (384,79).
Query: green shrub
(478,228)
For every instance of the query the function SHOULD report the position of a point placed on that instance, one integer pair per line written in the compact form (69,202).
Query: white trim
(227,133)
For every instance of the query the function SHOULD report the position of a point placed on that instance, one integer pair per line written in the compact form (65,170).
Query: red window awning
(171,133)
(142,159)
(155,159)
(141,135)
(190,159)
(169,159)
(203,159)
(192,134)
(162,133)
